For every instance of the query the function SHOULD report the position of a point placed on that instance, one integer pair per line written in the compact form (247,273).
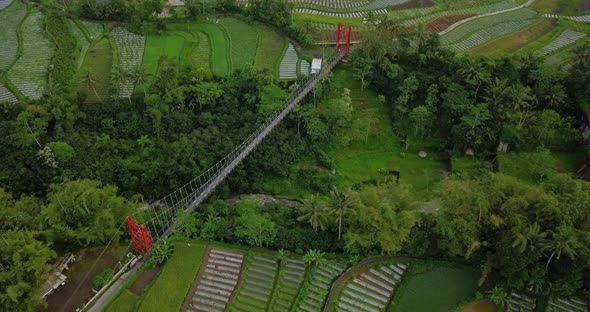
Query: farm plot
(95,76)
(561,58)
(4,3)
(6,95)
(11,17)
(332,5)
(257,284)
(566,38)
(515,41)
(130,47)
(473,9)
(304,68)
(217,281)
(270,49)
(313,297)
(441,23)
(220,54)
(93,30)
(567,305)
(465,30)
(485,35)
(288,284)
(581,19)
(288,68)
(83,43)
(29,72)
(521,303)
(341,14)
(243,40)
(371,290)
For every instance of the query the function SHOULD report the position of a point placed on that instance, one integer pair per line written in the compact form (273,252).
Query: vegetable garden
(29,72)
(11,17)
(130,48)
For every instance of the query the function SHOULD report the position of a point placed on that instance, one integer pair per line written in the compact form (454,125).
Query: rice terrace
(295,155)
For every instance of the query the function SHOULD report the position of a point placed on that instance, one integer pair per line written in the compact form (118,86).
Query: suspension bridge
(162,220)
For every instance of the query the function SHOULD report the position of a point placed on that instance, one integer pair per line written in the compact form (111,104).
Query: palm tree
(89,81)
(314,257)
(562,242)
(140,77)
(341,204)
(282,255)
(314,212)
(475,73)
(501,298)
(529,238)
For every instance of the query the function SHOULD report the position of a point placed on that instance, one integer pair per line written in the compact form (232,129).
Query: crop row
(130,47)
(29,72)
(4,3)
(566,38)
(478,9)
(11,18)
(63,66)
(489,33)
(465,30)
(6,95)
(243,40)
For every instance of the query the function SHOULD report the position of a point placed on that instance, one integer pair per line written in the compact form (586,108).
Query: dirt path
(524,5)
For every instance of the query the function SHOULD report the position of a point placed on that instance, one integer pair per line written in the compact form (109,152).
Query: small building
(55,278)
(316,66)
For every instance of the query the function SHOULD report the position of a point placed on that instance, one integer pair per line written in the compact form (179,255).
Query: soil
(265,199)
(585,5)
(414,4)
(441,23)
(78,287)
(144,280)
(480,306)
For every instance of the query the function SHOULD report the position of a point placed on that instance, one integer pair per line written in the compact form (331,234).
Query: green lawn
(125,302)
(243,40)
(98,62)
(174,282)
(436,287)
(271,45)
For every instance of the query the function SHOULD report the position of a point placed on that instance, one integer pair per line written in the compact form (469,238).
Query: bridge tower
(343,39)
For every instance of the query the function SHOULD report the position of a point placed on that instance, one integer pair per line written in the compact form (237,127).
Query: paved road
(112,291)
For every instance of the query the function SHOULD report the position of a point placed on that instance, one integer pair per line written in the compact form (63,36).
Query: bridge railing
(193,193)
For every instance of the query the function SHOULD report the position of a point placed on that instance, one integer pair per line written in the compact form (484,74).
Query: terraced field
(6,95)
(130,47)
(476,32)
(288,68)
(243,40)
(314,294)
(372,290)
(29,72)
(11,17)
(4,3)
(92,30)
(567,305)
(288,284)
(270,49)
(566,38)
(521,303)
(257,284)
(217,281)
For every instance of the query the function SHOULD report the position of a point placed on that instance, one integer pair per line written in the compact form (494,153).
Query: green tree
(501,298)
(23,261)
(314,257)
(421,117)
(162,250)
(314,212)
(186,224)
(341,204)
(254,227)
(563,241)
(90,81)
(84,212)
(272,98)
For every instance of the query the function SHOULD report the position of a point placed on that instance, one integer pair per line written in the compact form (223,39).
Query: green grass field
(368,157)
(125,302)
(243,40)
(174,282)
(270,49)
(434,288)
(98,62)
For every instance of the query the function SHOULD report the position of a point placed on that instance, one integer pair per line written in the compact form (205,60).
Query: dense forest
(70,171)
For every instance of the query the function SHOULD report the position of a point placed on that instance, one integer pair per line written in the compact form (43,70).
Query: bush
(63,66)
(103,278)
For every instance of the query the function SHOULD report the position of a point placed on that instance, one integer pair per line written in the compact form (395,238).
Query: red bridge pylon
(140,237)
(343,44)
